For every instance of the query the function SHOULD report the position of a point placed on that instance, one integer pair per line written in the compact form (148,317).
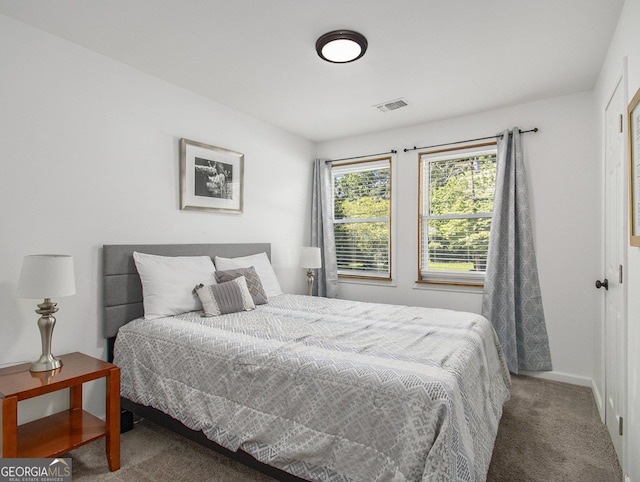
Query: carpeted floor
(549,432)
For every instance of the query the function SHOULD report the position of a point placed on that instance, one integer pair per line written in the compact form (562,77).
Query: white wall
(89,156)
(564,174)
(624,48)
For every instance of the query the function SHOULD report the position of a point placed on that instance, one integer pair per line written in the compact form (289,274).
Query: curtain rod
(392,151)
(535,129)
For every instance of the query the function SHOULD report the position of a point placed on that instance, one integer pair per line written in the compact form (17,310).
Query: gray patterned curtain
(322,234)
(512,300)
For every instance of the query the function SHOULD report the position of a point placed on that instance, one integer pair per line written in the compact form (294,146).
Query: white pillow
(168,282)
(262,266)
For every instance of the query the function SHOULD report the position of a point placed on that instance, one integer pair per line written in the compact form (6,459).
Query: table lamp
(311,259)
(46,276)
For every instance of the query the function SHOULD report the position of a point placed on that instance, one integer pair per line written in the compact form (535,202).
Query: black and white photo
(210,177)
(213,179)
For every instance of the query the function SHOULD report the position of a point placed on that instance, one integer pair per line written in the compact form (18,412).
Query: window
(362,218)
(456,206)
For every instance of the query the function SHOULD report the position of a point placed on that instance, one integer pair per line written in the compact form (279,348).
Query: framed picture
(211,178)
(634,166)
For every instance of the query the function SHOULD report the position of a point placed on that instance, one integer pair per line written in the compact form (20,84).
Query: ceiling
(445,58)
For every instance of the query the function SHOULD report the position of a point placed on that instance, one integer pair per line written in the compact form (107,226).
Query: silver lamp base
(310,282)
(46,323)
(45,363)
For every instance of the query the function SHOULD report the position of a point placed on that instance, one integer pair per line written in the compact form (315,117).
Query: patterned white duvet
(328,389)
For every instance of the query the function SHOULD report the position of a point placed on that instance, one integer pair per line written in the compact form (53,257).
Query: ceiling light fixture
(341,46)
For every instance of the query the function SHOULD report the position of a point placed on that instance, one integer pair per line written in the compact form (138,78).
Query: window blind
(457,202)
(362,218)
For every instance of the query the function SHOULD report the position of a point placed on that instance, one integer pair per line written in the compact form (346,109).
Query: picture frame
(211,178)
(634,169)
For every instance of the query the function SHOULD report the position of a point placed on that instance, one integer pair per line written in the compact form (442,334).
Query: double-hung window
(362,218)
(456,206)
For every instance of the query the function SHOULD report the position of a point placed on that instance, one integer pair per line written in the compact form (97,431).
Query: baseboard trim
(598,398)
(560,377)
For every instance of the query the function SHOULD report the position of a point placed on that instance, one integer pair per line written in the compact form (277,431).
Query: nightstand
(61,432)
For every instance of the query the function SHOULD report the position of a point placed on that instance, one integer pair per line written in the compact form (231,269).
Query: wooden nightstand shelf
(63,431)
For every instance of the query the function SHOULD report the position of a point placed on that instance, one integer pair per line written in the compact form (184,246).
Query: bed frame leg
(126,421)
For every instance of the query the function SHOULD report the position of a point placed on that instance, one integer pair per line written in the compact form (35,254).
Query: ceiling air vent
(391,105)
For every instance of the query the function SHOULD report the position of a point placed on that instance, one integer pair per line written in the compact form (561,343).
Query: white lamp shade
(310,258)
(46,276)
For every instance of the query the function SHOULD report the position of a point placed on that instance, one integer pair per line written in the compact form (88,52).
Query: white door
(615,237)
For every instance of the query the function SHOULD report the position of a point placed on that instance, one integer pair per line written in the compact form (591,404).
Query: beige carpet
(549,432)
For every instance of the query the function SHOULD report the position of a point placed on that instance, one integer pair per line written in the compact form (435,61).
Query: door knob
(602,284)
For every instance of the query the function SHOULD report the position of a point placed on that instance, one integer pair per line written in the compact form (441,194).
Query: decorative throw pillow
(223,298)
(168,281)
(253,282)
(261,264)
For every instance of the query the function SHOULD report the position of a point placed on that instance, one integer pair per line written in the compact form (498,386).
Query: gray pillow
(253,282)
(230,297)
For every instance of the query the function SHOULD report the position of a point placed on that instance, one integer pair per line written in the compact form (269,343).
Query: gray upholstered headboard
(122,287)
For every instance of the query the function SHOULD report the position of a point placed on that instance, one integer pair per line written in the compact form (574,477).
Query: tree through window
(362,218)
(456,206)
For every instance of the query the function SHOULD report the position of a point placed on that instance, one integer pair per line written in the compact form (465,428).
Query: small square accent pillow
(262,265)
(253,282)
(230,297)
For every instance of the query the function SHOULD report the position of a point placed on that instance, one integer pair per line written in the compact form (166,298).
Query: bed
(310,388)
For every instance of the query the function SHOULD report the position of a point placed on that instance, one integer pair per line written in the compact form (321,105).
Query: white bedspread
(329,389)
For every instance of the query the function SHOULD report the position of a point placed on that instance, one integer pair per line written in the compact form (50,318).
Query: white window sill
(448,287)
(368,281)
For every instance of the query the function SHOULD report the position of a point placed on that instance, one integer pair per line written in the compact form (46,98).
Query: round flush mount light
(341,46)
